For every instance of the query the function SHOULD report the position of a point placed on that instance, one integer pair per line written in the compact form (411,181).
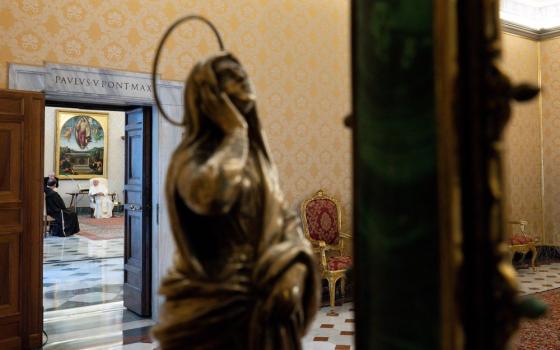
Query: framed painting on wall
(81,144)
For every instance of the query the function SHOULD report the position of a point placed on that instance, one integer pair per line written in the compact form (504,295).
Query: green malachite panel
(396,235)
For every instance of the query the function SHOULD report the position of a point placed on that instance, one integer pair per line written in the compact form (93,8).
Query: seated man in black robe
(50,177)
(64,218)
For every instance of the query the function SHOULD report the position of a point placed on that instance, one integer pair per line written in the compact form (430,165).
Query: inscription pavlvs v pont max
(119,85)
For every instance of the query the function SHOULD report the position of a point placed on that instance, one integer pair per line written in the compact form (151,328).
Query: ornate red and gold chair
(322,226)
(523,242)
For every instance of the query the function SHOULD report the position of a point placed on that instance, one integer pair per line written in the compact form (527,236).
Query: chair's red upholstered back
(321,215)
(521,239)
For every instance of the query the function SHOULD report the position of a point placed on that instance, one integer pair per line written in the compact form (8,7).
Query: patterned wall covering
(522,139)
(297,52)
(532,165)
(550,53)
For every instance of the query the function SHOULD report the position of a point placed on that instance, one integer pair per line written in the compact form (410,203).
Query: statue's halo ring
(160,48)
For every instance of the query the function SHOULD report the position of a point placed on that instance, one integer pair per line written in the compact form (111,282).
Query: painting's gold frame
(63,115)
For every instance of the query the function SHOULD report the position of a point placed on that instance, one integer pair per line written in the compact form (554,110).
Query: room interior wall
(532,139)
(522,139)
(550,63)
(115,155)
(296,51)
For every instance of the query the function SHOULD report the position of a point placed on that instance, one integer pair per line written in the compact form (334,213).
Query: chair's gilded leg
(534,257)
(332,289)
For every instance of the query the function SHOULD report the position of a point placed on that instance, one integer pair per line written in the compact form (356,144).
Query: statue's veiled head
(223,73)
(234,81)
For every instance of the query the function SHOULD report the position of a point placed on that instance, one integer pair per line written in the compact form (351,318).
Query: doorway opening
(83,261)
(100,159)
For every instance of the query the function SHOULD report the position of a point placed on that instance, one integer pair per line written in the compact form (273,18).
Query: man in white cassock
(103,203)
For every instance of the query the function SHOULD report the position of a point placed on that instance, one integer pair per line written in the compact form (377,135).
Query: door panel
(21,210)
(10,141)
(135,167)
(9,261)
(137,192)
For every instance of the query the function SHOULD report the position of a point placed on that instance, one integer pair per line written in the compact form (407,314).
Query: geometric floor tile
(331,329)
(121,329)
(94,298)
(82,283)
(84,270)
(61,250)
(52,304)
(95,327)
(546,277)
(139,346)
(91,245)
(69,283)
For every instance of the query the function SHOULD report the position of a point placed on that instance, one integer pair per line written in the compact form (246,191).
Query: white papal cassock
(103,203)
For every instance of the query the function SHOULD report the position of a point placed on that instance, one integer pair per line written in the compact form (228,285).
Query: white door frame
(165,137)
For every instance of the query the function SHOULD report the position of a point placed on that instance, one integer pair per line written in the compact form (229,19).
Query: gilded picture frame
(81,144)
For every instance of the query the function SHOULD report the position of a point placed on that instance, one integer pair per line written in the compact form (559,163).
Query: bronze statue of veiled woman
(244,277)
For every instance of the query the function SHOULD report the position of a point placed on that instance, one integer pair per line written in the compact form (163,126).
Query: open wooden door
(137,196)
(21,215)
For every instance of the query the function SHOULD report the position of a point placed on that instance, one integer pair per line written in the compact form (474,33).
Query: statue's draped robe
(232,252)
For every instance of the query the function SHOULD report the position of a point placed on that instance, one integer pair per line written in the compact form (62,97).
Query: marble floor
(77,248)
(82,283)
(98,238)
(100,327)
(83,277)
(546,277)
(112,327)
(332,329)
(83,295)
(83,271)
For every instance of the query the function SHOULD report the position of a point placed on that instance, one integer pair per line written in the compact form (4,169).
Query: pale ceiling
(535,14)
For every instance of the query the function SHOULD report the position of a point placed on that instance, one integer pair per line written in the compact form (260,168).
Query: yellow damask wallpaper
(532,140)
(522,139)
(550,53)
(297,51)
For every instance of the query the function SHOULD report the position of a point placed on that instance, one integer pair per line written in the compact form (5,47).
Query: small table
(76,197)
(524,249)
